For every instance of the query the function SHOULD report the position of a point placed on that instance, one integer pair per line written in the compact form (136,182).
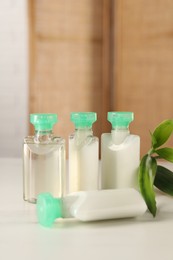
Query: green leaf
(164,180)
(165,153)
(147,171)
(162,133)
(153,139)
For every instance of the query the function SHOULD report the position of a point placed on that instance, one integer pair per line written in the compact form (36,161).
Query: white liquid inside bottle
(83,155)
(120,154)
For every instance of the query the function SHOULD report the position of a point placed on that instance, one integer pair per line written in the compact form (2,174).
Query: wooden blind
(143,63)
(69,59)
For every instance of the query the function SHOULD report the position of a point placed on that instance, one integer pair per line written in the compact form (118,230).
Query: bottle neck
(119,134)
(43,136)
(83,132)
(81,135)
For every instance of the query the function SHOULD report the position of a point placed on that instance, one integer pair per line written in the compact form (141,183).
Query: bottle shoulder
(28,140)
(109,140)
(54,140)
(109,135)
(79,136)
(58,139)
(82,136)
(81,141)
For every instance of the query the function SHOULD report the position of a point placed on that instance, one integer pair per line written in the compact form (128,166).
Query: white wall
(13,76)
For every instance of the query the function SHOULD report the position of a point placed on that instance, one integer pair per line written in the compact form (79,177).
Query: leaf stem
(151,151)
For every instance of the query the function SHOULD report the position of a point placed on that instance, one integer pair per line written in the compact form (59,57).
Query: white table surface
(21,237)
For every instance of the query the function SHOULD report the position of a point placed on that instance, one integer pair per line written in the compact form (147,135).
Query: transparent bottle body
(120,155)
(43,167)
(83,171)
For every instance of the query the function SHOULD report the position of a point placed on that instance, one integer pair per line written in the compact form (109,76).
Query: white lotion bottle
(83,154)
(120,153)
(91,205)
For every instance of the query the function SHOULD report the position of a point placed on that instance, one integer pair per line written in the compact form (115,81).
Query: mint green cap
(83,119)
(48,209)
(43,121)
(120,119)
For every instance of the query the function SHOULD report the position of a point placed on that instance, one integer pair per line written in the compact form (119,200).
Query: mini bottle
(120,153)
(83,154)
(90,205)
(43,159)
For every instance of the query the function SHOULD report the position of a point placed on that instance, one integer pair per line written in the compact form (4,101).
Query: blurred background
(14,76)
(61,56)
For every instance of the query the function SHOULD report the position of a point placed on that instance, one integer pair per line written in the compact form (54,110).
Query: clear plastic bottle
(83,154)
(120,153)
(91,205)
(43,159)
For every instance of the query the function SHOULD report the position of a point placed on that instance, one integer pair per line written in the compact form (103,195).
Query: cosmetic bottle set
(77,191)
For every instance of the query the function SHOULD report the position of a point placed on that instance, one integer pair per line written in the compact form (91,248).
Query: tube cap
(43,121)
(120,119)
(83,119)
(48,209)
